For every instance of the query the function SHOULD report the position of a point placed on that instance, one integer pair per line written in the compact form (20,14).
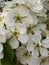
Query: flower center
(15,33)
(26,54)
(29,29)
(43,60)
(18,18)
(37,46)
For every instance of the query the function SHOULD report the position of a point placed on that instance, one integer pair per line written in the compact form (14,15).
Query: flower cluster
(24,32)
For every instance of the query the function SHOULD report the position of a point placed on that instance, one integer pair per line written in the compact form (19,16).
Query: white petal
(9,21)
(35,21)
(23,60)
(41,26)
(35,54)
(14,43)
(23,38)
(30,47)
(2,35)
(21,28)
(45,43)
(44,52)
(36,31)
(28,20)
(37,7)
(36,38)
(1,48)
(23,11)
(20,51)
(8,34)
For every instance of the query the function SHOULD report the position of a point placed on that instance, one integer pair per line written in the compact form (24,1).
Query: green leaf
(4,62)
(7,62)
(8,52)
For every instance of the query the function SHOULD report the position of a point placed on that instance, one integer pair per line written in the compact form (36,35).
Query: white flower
(33,39)
(25,57)
(16,15)
(22,54)
(35,46)
(35,49)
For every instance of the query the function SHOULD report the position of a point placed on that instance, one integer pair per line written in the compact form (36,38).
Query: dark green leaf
(8,52)
(4,62)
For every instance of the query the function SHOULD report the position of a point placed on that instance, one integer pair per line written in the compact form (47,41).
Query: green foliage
(8,52)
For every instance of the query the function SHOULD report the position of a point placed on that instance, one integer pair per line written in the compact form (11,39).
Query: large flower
(35,46)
